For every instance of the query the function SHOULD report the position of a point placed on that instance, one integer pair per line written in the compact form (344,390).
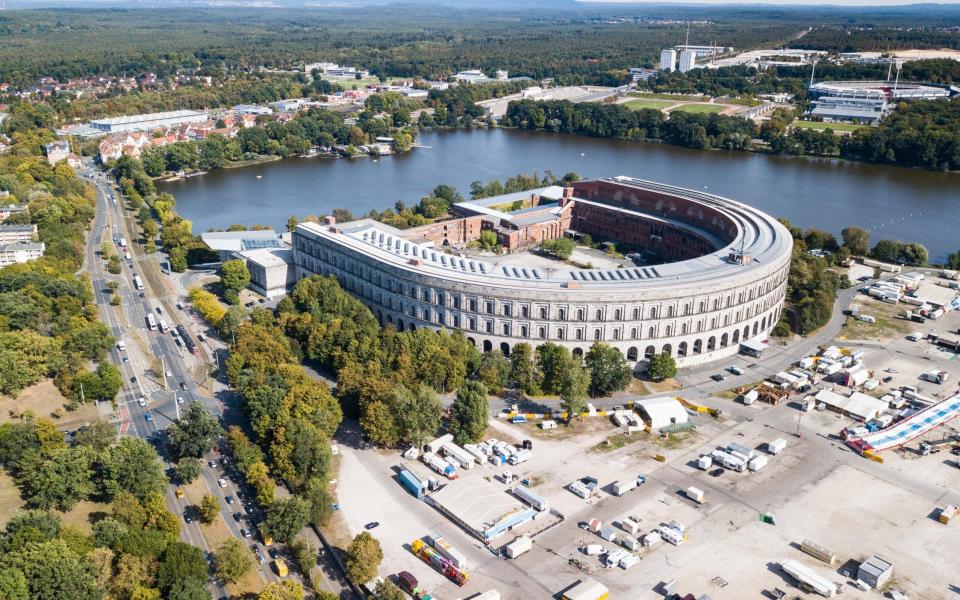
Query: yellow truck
(280,566)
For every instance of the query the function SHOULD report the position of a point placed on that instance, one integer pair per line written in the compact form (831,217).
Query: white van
(867,319)
(122,347)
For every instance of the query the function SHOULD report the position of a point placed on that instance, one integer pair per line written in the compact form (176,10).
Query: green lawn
(672,97)
(702,108)
(649,103)
(824,126)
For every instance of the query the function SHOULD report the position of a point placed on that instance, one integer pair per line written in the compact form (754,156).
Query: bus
(163,325)
(123,243)
(151,322)
(137,282)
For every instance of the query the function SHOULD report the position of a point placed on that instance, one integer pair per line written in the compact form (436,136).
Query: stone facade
(697,310)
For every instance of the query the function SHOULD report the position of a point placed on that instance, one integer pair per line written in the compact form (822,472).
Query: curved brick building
(720,277)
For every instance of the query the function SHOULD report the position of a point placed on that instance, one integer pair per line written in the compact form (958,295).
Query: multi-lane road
(155,368)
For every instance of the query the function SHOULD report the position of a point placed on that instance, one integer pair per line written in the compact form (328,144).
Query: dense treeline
(922,133)
(456,106)
(861,39)
(48,321)
(132,552)
(389,40)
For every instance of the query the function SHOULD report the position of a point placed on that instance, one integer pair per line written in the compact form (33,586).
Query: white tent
(662,412)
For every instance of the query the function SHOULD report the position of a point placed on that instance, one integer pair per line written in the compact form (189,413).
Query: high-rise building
(688,60)
(668,59)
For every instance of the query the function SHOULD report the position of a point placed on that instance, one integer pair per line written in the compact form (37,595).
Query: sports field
(649,103)
(702,108)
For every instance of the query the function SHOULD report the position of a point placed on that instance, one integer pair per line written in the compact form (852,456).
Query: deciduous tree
(468,415)
(363,557)
(232,560)
(609,371)
(662,366)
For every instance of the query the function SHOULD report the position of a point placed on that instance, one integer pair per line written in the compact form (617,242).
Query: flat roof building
(668,59)
(10,234)
(661,412)
(20,252)
(858,406)
(148,121)
(484,510)
(271,272)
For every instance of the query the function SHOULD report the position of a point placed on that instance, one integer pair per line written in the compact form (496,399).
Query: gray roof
(31,228)
(36,246)
(239,241)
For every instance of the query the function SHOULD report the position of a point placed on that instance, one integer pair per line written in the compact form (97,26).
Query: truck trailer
(439,562)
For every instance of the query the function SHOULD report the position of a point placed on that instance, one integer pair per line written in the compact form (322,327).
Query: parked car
(237,517)
(372,525)
(229,499)
(260,558)
(273,552)
(142,401)
(735,370)
(717,377)
(716,472)
(222,482)
(148,417)
(183,386)
(246,533)
(213,464)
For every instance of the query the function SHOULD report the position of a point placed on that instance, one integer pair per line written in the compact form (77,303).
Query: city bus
(137,282)
(163,325)
(151,322)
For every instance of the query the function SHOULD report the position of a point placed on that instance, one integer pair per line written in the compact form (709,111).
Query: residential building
(688,61)
(20,252)
(12,209)
(57,151)
(10,234)
(668,60)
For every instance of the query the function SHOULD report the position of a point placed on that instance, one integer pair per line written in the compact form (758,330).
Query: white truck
(121,346)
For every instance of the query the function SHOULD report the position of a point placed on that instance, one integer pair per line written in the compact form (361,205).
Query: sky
(779,2)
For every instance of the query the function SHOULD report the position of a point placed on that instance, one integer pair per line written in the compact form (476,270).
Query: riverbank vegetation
(922,133)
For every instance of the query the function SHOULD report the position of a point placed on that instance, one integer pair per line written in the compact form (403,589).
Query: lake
(892,202)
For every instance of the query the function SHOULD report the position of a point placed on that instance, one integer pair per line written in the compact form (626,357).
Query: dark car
(717,377)
(246,533)
(888,379)
(716,472)
(229,499)
(133,379)
(372,525)
(183,386)
(237,517)
(273,552)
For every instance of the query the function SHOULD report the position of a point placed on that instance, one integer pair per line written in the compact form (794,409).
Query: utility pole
(82,399)
(163,371)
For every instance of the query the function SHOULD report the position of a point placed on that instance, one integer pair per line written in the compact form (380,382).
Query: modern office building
(149,121)
(668,60)
(688,61)
(717,275)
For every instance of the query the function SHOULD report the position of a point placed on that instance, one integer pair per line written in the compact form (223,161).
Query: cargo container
(750,397)
(476,453)
(734,448)
(609,534)
(630,543)
(757,462)
(629,525)
(435,445)
(441,545)
(819,552)
(729,461)
(531,498)
(695,494)
(439,465)
(439,562)
(947,514)
(463,458)
(520,457)
(776,446)
(411,482)
(518,546)
(588,589)
(620,488)
(705,462)
(808,579)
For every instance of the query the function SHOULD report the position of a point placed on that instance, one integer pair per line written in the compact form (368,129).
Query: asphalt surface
(163,397)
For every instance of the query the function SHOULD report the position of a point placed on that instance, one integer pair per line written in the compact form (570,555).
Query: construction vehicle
(442,564)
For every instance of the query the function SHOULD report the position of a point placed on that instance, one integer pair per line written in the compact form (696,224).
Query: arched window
(617,314)
(711,343)
(599,314)
(487,345)
(667,349)
(682,349)
(579,334)
(653,312)
(649,352)
(578,352)
(579,314)
(596,334)
(559,334)
(651,333)
(669,312)
(632,353)
(724,340)
(505,348)
(697,347)
(755,328)
(523,331)
(736,336)
(543,332)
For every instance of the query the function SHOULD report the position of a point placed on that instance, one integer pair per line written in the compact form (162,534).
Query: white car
(142,401)
(169,373)
(179,400)
(222,482)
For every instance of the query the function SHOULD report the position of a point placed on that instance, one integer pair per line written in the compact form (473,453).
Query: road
(147,404)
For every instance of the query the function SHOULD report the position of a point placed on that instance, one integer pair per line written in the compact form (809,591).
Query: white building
(662,412)
(252,109)
(688,60)
(149,121)
(668,60)
(271,272)
(57,151)
(20,252)
(11,234)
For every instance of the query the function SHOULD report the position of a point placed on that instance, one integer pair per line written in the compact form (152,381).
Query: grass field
(702,108)
(671,97)
(825,126)
(10,501)
(648,103)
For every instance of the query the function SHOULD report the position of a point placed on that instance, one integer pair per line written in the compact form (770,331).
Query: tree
(387,590)
(609,371)
(857,240)
(303,554)
(181,562)
(321,502)
(132,466)
(417,414)
(560,248)
(553,361)
(662,366)
(187,470)
(494,371)
(522,370)
(363,558)
(281,590)
(194,433)
(468,415)
(234,276)
(953,260)
(59,478)
(232,560)
(285,518)
(132,572)
(573,390)
(98,435)
(188,590)
(292,223)
(209,508)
